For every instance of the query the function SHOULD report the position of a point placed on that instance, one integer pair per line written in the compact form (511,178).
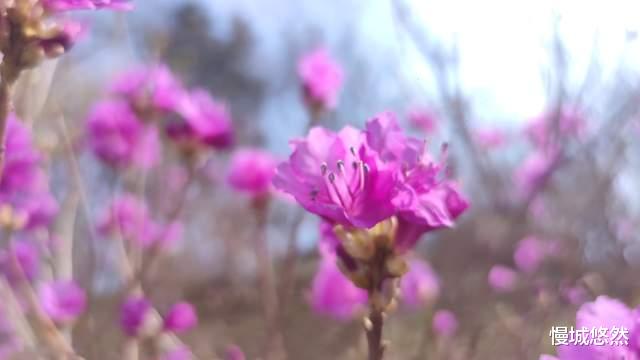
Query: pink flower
(154,87)
(328,242)
(321,78)
(502,278)
(63,301)
(359,178)
(445,323)
(251,171)
(21,261)
(23,184)
(551,128)
(532,172)
(490,139)
(603,312)
(119,138)
(422,196)
(128,217)
(201,121)
(575,295)
(180,318)
(335,176)
(420,285)
(133,314)
(333,294)
(530,253)
(424,120)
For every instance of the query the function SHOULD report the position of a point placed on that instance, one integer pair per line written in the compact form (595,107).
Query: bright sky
(503,43)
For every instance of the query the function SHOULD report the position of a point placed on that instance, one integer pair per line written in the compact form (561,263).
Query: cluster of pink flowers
(359,178)
(129,218)
(136,313)
(124,130)
(24,185)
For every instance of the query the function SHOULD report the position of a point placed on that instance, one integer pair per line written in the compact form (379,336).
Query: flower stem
(374,333)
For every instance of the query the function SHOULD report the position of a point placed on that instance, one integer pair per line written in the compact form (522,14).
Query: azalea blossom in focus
(360,178)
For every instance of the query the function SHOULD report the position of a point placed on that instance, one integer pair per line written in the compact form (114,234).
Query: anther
(323,169)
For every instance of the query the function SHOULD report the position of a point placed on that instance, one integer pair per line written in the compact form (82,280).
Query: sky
(503,44)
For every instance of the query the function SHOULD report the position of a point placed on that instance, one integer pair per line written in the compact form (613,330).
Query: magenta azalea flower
(530,253)
(251,171)
(337,177)
(321,78)
(502,279)
(445,323)
(420,285)
(328,242)
(201,121)
(128,217)
(119,138)
(423,119)
(181,317)
(359,179)
(530,175)
(22,261)
(333,294)
(23,184)
(551,128)
(62,301)
(133,314)
(155,87)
